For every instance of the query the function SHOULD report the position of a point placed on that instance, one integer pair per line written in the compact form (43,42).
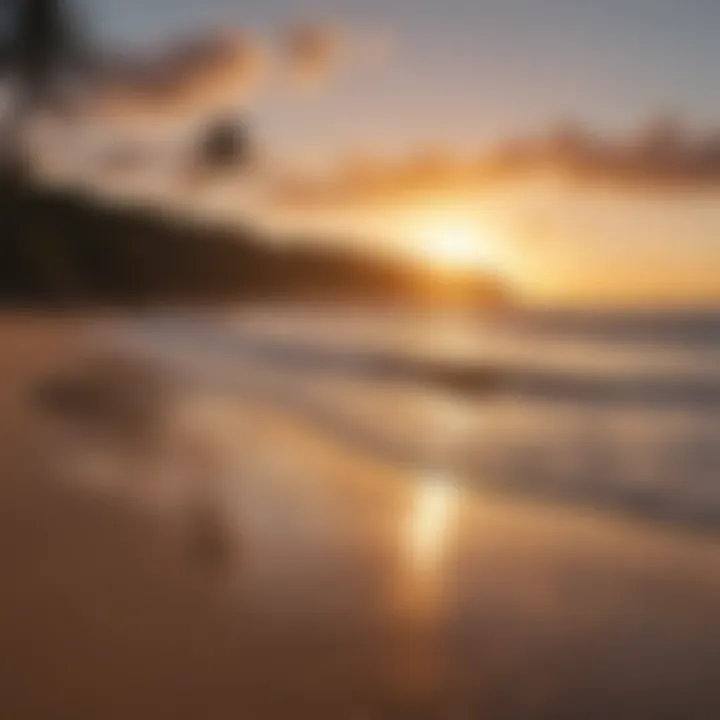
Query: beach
(231,556)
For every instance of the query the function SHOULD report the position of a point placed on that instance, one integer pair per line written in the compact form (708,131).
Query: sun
(452,243)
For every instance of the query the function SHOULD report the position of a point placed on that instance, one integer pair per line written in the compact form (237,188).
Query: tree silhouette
(224,145)
(42,55)
(43,49)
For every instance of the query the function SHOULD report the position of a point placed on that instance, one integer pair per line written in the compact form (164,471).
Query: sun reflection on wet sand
(430,523)
(422,588)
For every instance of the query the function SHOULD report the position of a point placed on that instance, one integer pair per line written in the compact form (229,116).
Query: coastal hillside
(64,248)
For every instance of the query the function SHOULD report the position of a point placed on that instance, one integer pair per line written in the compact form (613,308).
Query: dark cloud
(662,154)
(197,76)
(206,74)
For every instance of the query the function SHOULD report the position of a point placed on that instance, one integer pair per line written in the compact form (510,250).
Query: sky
(466,72)
(464,75)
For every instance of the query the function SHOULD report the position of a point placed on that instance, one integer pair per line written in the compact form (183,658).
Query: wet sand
(346,588)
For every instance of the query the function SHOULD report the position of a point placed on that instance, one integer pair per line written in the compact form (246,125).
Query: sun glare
(454,244)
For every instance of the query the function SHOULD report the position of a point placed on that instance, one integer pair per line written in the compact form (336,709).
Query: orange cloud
(194,77)
(312,53)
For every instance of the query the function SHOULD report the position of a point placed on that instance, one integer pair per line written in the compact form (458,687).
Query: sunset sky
(460,76)
(468,71)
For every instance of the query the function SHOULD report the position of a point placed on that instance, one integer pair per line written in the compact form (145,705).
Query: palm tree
(42,56)
(224,145)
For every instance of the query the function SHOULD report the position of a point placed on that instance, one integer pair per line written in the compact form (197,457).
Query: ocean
(614,411)
(276,512)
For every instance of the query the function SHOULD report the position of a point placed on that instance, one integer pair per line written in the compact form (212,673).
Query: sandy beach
(338,586)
